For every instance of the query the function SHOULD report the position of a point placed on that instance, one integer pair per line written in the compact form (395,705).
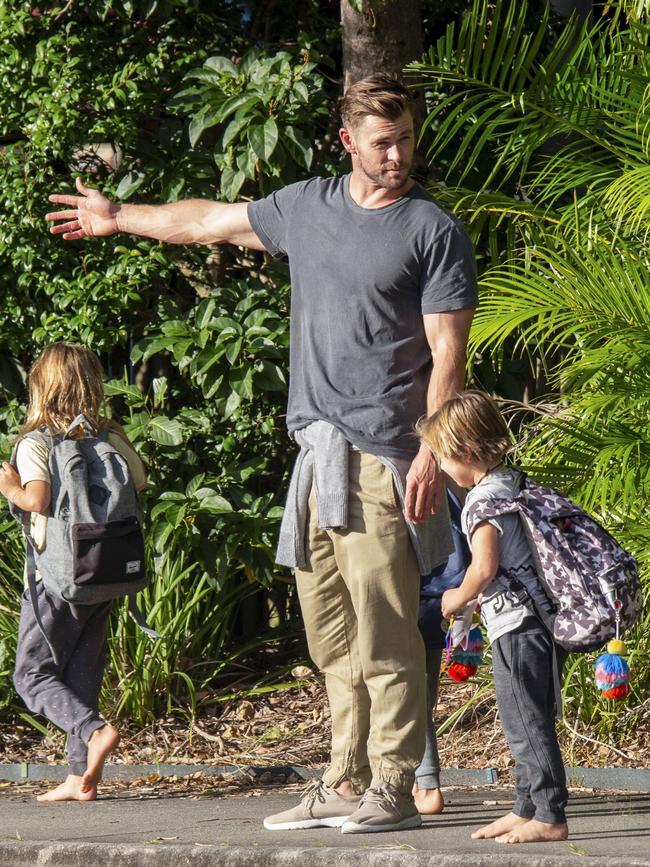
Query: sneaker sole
(358,828)
(304,824)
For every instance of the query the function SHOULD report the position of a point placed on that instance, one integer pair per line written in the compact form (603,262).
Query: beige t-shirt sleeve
(136,467)
(32,466)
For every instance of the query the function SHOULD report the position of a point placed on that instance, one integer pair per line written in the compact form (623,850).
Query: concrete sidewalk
(196,832)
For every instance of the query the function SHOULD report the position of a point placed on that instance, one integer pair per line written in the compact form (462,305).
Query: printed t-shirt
(501,610)
(361,280)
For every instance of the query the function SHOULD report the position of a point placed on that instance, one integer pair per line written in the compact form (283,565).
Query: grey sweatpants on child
(67,692)
(522,661)
(427,776)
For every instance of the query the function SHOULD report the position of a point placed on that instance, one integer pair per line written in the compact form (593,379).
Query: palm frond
(564,296)
(503,89)
(628,198)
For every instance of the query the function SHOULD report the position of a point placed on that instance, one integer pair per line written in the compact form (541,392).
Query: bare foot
(536,832)
(102,742)
(500,826)
(69,790)
(428,801)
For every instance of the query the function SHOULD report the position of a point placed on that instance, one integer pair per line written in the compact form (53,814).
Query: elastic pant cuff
(551,818)
(402,780)
(89,727)
(333,777)
(428,780)
(526,811)
(77,768)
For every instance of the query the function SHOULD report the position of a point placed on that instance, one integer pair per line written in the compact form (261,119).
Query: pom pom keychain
(463,660)
(612,671)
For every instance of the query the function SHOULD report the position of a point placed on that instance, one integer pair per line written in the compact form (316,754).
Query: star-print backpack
(592,582)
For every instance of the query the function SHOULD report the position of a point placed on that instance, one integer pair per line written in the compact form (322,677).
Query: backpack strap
(30,569)
(79,421)
(139,619)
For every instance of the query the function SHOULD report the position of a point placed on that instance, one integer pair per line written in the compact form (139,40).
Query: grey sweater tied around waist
(323,462)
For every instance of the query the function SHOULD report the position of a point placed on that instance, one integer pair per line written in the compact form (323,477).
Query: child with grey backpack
(470,438)
(62,644)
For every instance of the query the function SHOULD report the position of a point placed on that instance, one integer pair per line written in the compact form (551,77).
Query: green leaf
(231,183)
(299,148)
(131,181)
(207,117)
(241,104)
(204,312)
(233,129)
(216,504)
(165,431)
(264,138)
(219,63)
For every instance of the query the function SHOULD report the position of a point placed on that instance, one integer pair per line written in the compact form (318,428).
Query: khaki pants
(359,597)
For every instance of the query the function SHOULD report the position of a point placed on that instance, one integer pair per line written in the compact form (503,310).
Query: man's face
(382,150)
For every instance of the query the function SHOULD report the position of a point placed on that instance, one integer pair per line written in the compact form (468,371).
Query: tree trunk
(383,37)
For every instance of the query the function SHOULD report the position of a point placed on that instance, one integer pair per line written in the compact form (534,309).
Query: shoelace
(384,795)
(313,792)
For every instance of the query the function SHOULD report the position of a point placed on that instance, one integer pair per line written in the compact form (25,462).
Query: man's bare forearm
(193,221)
(447,378)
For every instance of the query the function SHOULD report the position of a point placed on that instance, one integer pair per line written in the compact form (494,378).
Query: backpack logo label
(133,566)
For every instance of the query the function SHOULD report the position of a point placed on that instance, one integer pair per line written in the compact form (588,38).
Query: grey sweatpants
(66,693)
(427,776)
(522,661)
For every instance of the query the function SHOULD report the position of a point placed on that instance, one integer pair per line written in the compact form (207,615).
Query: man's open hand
(424,487)
(93,215)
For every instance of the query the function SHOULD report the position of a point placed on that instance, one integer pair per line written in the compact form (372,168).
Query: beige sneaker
(383,808)
(319,807)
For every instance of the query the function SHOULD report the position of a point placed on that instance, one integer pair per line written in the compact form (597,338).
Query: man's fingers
(83,189)
(70,226)
(65,199)
(438,490)
(423,501)
(62,215)
(74,236)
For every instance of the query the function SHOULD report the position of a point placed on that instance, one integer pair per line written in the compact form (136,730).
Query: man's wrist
(12,493)
(119,218)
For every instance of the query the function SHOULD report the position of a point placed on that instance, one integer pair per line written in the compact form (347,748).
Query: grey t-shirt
(361,279)
(501,610)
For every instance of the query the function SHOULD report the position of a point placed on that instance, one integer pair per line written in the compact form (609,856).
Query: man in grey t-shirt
(383,291)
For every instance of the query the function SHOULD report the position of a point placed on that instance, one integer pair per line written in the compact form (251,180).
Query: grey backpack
(592,582)
(94,547)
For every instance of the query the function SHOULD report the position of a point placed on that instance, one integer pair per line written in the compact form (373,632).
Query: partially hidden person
(450,573)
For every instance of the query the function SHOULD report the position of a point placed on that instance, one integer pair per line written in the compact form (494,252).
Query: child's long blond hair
(65,380)
(467,426)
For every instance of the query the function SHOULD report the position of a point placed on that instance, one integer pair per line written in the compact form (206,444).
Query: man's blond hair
(467,426)
(379,95)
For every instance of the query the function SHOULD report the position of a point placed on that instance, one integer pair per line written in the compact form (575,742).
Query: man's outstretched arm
(192,221)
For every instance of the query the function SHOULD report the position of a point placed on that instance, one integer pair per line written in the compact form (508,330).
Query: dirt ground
(292,727)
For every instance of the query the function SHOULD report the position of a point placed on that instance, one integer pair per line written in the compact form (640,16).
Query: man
(383,292)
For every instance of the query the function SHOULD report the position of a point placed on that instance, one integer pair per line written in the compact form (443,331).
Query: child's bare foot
(102,742)
(500,827)
(535,831)
(428,801)
(69,790)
